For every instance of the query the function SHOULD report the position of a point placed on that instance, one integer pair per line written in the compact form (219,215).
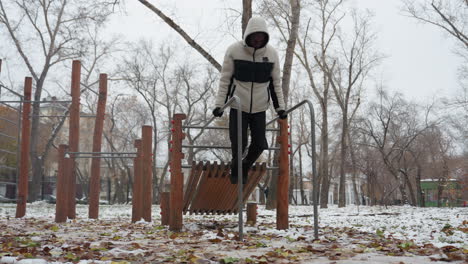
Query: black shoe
(245,172)
(233,175)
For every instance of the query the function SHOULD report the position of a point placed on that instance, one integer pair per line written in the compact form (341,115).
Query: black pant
(256,122)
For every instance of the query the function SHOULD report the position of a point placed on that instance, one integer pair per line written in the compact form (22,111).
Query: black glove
(217,112)
(282,114)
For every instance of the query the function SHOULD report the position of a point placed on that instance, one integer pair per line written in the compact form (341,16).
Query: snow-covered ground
(347,235)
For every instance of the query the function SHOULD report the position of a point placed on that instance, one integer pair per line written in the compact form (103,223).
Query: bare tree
(393,126)
(311,51)
(57,28)
(346,77)
(169,21)
(285,15)
(168,87)
(450,16)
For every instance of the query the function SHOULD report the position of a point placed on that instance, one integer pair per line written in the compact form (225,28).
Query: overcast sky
(419,62)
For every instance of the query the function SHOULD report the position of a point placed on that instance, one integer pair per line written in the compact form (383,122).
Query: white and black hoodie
(253,75)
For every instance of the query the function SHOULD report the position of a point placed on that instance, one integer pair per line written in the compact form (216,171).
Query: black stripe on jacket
(249,71)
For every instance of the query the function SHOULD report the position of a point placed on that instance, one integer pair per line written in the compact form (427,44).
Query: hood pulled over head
(256,24)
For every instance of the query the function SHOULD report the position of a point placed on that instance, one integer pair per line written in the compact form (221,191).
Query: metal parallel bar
(220,147)
(220,127)
(8,183)
(12,107)
(64,116)
(239,166)
(7,167)
(314,168)
(232,100)
(268,168)
(8,136)
(8,152)
(107,157)
(9,121)
(50,116)
(123,153)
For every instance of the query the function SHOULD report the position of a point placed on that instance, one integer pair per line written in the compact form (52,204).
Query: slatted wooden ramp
(209,189)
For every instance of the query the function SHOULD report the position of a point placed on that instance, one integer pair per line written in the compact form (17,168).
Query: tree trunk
(325,186)
(301,179)
(440,191)
(354,169)
(411,190)
(287,68)
(419,191)
(273,186)
(344,147)
(402,187)
(36,162)
(246,14)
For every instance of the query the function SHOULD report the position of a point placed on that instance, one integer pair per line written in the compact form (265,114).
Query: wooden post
(165,208)
(62,188)
(25,141)
(177,178)
(137,190)
(74,135)
(95,182)
(147,171)
(252,213)
(282,221)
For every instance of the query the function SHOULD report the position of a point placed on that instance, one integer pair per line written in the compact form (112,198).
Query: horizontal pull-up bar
(220,147)
(7,167)
(220,127)
(190,166)
(113,153)
(12,107)
(107,157)
(64,116)
(8,183)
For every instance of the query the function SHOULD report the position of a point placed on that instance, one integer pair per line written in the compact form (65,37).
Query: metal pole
(24,165)
(239,166)
(314,169)
(282,201)
(314,164)
(95,182)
